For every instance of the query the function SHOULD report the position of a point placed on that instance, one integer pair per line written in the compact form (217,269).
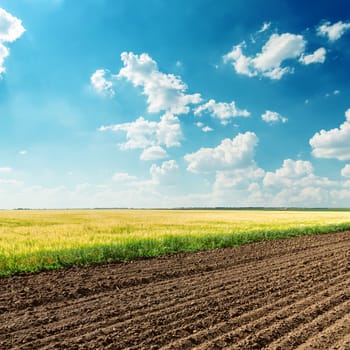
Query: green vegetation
(49,239)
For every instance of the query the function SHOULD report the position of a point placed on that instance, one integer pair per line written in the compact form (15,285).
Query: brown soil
(283,294)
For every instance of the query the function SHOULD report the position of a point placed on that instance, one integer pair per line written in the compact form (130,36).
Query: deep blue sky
(150,103)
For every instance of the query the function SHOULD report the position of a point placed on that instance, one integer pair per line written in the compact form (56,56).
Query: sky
(157,104)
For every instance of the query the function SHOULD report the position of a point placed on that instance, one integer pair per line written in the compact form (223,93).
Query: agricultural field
(270,294)
(280,294)
(39,240)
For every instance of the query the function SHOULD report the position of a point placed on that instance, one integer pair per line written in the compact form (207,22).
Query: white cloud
(164,174)
(4,52)
(5,169)
(273,117)
(140,134)
(143,133)
(276,50)
(207,129)
(242,64)
(268,62)
(230,154)
(239,179)
(223,111)
(169,131)
(265,27)
(302,197)
(333,31)
(165,92)
(153,153)
(334,143)
(289,173)
(11,29)
(295,184)
(101,84)
(123,177)
(319,56)
(346,171)
(239,187)
(341,196)
(23,152)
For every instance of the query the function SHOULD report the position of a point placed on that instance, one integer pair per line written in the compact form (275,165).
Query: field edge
(148,248)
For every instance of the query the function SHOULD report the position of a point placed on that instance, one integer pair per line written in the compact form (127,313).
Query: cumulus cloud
(153,153)
(273,117)
(278,49)
(143,133)
(319,56)
(165,174)
(101,84)
(346,171)
(221,110)
(229,154)
(204,128)
(288,174)
(268,63)
(11,29)
(238,187)
(164,92)
(333,31)
(295,184)
(334,143)
(239,179)
(302,197)
(241,63)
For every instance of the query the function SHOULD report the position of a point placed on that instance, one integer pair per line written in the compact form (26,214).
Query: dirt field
(276,295)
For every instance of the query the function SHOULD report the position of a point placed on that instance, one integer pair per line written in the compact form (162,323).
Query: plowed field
(284,294)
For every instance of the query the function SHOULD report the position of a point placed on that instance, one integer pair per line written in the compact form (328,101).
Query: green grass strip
(144,248)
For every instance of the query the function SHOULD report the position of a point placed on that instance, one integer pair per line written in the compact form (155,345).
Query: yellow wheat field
(36,238)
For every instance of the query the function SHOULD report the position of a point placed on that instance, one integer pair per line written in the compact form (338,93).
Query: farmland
(279,294)
(39,240)
(271,294)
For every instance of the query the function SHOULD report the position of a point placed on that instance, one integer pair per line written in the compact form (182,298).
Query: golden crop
(31,240)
